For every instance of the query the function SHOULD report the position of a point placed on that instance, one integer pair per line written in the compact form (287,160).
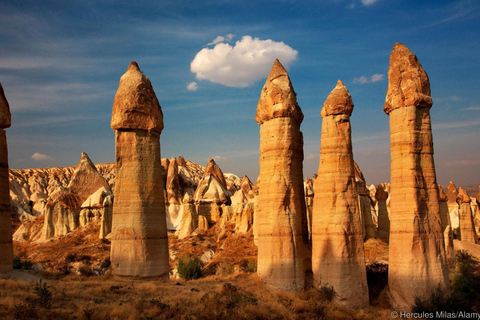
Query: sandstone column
(283,254)
(383,232)
(417,262)
(467,227)
(139,233)
(446,227)
(338,257)
(6,248)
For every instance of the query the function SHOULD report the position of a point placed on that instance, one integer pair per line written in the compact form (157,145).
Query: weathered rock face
(417,261)
(309,190)
(189,221)
(211,193)
(467,227)
(338,257)
(107,215)
(453,207)
(365,204)
(174,196)
(383,232)
(139,233)
(6,248)
(64,206)
(283,255)
(446,227)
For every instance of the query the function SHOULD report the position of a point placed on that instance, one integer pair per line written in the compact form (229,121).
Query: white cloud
(361,80)
(41,157)
(311,156)
(219,158)
(372,79)
(192,86)
(376,77)
(368,2)
(219,39)
(248,61)
(473,108)
(457,124)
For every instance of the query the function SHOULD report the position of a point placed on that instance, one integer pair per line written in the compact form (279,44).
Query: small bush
(438,300)
(42,290)
(22,265)
(192,269)
(327,292)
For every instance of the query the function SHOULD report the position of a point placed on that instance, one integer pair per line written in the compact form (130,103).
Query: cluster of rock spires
(313,227)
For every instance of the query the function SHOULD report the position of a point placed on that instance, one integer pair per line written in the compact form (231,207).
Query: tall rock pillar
(417,261)
(139,233)
(283,254)
(338,257)
(6,248)
(467,227)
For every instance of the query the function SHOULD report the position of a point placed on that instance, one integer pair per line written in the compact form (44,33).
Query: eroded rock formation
(467,227)
(446,227)
(283,255)
(139,233)
(383,232)
(453,207)
(338,257)
(6,249)
(417,261)
(63,209)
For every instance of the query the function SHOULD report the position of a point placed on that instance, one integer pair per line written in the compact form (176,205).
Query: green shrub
(192,269)
(42,290)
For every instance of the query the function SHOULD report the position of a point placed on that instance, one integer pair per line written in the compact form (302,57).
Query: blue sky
(60,63)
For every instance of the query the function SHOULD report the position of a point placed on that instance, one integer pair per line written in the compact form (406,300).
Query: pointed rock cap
(452,192)
(135,106)
(408,83)
(441,194)
(246,185)
(214,170)
(338,101)
(278,99)
(5,116)
(381,194)
(463,196)
(181,161)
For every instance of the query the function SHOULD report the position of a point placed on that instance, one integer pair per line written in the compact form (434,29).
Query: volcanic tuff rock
(365,203)
(417,261)
(211,193)
(446,227)
(467,227)
(283,255)
(383,232)
(63,207)
(6,248)
(338,257)
(139,232)
(453,207)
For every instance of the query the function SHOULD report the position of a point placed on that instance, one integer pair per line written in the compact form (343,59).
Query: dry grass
(236,297)
(230,289)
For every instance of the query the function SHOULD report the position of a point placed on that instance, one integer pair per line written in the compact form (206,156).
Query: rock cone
(139,234)
(283,255)
(446,227)
(417,261)
(6,248)
(338,257)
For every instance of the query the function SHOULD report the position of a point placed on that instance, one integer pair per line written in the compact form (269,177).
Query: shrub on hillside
(191,269)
